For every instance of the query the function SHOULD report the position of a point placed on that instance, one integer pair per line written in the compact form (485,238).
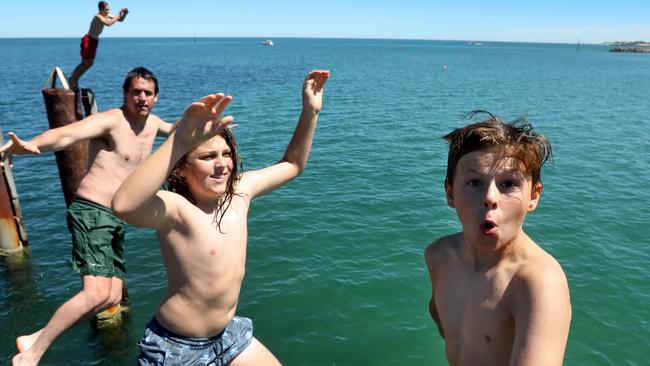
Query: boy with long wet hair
(201,223)
(497,297)
(177,182)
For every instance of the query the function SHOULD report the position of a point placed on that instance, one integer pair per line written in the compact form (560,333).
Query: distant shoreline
(629,47)
(633,43)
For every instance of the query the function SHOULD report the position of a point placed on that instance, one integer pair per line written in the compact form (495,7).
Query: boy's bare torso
(474,303)
(113,156)
(205,268)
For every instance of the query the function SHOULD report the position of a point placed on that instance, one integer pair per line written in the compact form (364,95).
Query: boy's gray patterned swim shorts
(160,347)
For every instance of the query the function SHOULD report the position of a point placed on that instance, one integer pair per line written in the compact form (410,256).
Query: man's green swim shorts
(97,239)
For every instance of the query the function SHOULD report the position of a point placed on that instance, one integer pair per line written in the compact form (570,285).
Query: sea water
(335,273)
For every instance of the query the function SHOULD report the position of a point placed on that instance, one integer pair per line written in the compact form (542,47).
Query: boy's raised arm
(295,157)
(136,200)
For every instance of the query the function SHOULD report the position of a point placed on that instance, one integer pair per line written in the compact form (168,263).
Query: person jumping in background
(90,40)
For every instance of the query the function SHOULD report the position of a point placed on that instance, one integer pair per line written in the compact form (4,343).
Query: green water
(335,274)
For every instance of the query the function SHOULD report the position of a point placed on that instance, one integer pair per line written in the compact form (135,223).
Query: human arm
(429,260)
(110,19)
(58,138)
(164,128)
(295,158)
(138,201)
(542,315)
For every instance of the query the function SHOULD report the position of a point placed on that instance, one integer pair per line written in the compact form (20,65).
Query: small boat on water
(267,42)
(474,43)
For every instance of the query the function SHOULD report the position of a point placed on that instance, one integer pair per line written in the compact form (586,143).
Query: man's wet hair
(139,72)
(516,139)
(102,5)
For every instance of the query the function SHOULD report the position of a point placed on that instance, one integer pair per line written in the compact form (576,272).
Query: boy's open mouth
(489,227)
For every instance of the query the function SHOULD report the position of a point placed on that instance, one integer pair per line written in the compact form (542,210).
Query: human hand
(16,146)
(202,119)
(312,90)
(123,13)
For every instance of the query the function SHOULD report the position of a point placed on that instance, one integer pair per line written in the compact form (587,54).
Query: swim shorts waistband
(160,330)
(94,204)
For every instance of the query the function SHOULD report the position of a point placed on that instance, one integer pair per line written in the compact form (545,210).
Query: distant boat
(474,43)
(268,42)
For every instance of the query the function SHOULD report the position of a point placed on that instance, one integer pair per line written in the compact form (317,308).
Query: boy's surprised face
(492,195)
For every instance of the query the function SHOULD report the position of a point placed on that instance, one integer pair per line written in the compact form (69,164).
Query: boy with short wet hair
(497,297)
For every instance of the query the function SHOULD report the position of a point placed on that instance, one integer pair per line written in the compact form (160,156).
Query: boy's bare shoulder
(442,249)
(540,273)
(176,206)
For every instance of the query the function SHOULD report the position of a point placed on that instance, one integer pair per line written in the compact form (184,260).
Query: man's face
(106,10)
(492,195)
(141,97)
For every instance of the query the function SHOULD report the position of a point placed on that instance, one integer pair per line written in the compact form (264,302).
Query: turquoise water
(335,274)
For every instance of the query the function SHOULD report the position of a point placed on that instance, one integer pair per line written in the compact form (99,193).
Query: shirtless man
(90,40)
(498,298)
(119,139)
(201,223)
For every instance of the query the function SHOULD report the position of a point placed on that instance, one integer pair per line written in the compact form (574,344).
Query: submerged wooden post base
(111,317)
(114,315)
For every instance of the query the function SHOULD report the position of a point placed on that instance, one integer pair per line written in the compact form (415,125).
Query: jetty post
(63,106)
(13,237)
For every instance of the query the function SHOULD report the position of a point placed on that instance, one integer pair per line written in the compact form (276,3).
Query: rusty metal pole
(64,107)
(13,237)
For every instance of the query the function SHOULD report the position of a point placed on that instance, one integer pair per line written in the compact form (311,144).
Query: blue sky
(564,21)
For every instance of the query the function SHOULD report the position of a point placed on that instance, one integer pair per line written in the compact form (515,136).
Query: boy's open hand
(202,120)
(18,147)
(312,90)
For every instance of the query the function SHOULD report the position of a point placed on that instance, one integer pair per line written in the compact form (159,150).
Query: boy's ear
(449,192)
(534,197)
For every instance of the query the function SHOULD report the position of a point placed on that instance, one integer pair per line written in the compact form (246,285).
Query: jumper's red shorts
(88,47)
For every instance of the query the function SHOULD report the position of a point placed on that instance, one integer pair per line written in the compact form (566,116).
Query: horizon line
(341,38)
